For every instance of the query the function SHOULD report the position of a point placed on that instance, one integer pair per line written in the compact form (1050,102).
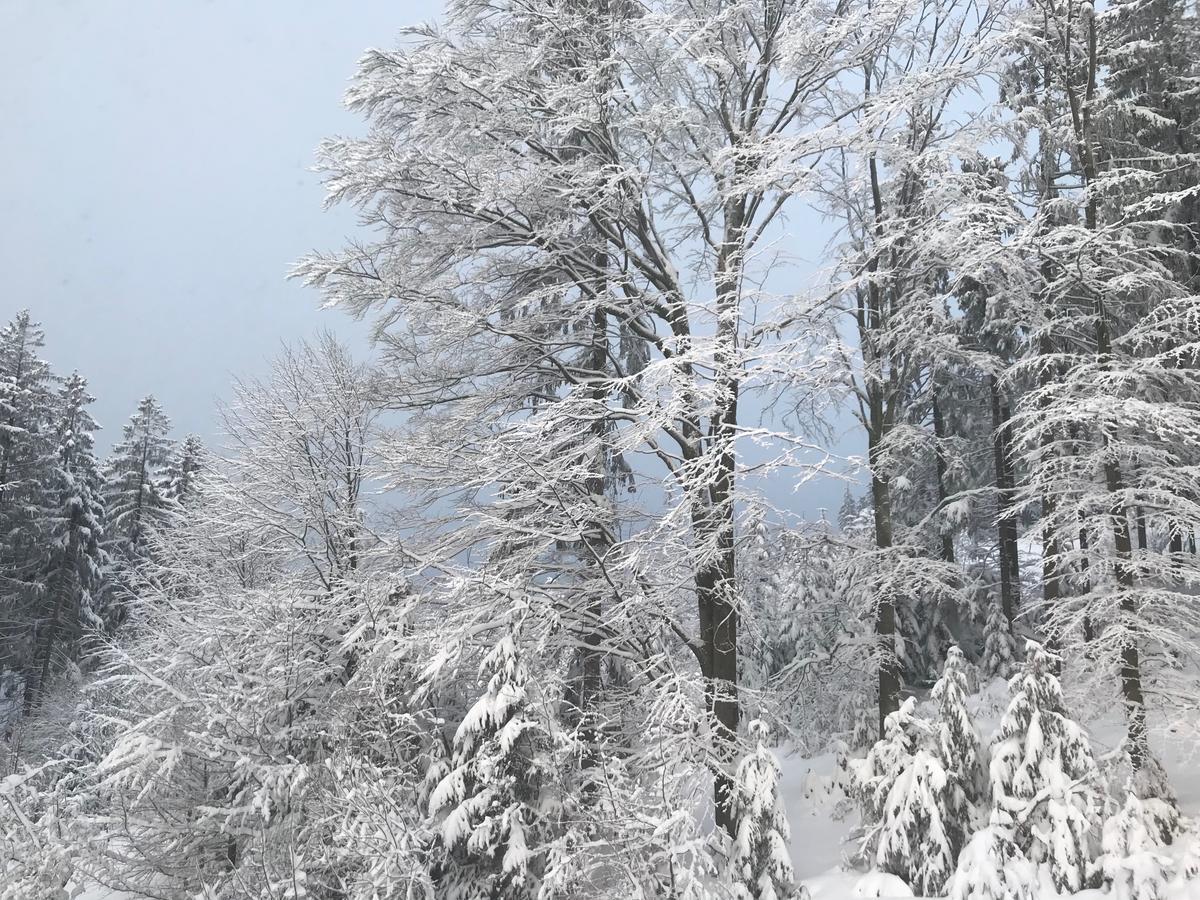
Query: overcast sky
(154,159)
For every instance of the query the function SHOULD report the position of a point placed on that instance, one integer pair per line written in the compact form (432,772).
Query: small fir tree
(1134,864)
(1043,776)
(999,648)
(903,786)
(486,807)
(993,867)
(959,748)
(759,862)
(179,484)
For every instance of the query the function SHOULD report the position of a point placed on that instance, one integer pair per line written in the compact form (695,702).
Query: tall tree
(905,211)
(1105,432)
(27,413)
(133,489)
(654,227)
(75,526)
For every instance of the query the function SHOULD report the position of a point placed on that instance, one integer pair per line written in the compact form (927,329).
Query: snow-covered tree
(179,479)
(759,860)
(74,527)
(906,209)
(1044,777)
(27,413)
(1134,861)
(903,785)
(959,748)
(232,705)
(487,805)
(1104,434)
(999,648)
(993,867)
(133,490)
(636,186)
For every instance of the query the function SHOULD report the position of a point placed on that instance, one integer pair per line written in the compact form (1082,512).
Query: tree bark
(939,434)
(885,616)
(1006,521)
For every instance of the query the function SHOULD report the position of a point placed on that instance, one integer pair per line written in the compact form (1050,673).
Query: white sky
(154,169)
(154,165)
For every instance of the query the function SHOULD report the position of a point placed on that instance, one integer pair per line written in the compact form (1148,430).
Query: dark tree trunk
(1006,520)
(885,616)
(939,433)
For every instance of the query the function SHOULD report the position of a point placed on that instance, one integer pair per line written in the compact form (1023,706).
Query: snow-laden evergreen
(487,804)
(1134,860)
(134,493)
(993,867)
(759,861)
(904,785)
(960,750)
(1044,777)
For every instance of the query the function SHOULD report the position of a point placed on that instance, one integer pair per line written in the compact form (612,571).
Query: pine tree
(759,862)
(133,492)
(1043,776)
(179,481)
(999,647)
(28,407)
(486,805)
(959,748)
(904,785)
(75,523)
(847,512)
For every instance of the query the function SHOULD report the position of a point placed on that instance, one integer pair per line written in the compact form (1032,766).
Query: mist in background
(155,163)
(155,173)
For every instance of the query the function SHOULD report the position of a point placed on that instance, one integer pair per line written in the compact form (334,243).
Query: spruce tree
(486,807)
(1043,776)
(759,862)
(133,491)
(999,648)
(74,527)
(27,411)
(903,786)
(179,482)
(959,748)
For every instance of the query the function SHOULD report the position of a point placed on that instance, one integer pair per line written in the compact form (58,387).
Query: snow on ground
(96,892)
(820,824)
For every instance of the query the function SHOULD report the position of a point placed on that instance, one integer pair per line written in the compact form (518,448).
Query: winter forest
(523,601)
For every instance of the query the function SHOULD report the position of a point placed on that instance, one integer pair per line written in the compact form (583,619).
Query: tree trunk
(885,615)
(1131,670)
(939,433)
(716,584)
(1006,520)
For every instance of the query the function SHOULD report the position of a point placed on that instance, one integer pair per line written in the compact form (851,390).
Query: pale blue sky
(154,170)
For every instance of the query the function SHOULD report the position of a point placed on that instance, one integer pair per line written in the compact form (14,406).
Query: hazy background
(154,174)
(154,166)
